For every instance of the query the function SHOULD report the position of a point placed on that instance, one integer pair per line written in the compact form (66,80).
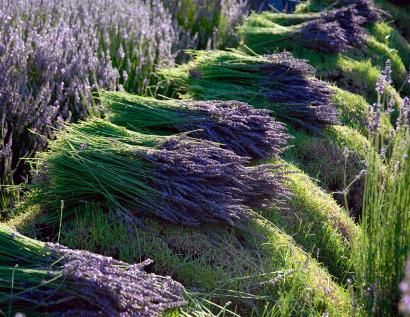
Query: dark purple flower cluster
(204,183)
(365,8)
(238,126)
(403,120)
(324,36)
(107,287)
(285,63)
(306,101)
(54,54)
(336,31)
(350,21)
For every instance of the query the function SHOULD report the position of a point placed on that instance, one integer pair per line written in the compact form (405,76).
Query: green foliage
(211,22)
(255,269)
(317,224)
(390,36)
(384,243)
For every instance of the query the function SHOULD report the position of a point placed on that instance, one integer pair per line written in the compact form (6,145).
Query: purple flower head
(403,120)
(387,72)
(380,84)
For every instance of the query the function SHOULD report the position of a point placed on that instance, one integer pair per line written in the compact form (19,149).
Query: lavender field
(204,158)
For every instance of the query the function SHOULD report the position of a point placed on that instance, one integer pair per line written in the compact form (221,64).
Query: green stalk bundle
(279,83)
(180,179)
(237,126)
(45,279)
(330,32)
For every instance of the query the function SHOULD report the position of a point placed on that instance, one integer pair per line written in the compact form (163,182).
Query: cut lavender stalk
(365,9)
(280,83)
(331,32)
(239,127)
(48,278)
(179,179)
(350,20)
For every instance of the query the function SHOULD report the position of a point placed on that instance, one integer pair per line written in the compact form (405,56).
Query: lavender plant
(404,305)
(54,54)
(280,83)
(208,24)
(382,248)
(179,179)
(239,127)
(50,279)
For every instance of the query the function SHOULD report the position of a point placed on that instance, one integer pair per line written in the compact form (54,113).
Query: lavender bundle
(331,32)
(50,279)
(280,83)
(236,125)
(365,9)
(179,179)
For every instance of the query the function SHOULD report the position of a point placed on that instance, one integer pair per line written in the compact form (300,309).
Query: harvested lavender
(52,279)
(179,179)
(279,82)
(365,9)
(350,21)
(241,128)
(333,32)
(323,36)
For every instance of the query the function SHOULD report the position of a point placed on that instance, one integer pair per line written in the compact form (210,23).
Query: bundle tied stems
(333,31)
(179,179)
(279,82)
(235,125)
(47,279)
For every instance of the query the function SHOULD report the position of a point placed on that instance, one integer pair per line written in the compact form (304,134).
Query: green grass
(383,246)
(335,160)
(222,264)
(317,224)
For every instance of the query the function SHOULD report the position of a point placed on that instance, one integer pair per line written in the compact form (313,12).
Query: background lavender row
(55,53)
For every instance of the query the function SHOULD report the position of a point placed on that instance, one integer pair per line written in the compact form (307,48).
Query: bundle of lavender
(179,179)
(280,83)
(49,279)
(236,125)
(331,32)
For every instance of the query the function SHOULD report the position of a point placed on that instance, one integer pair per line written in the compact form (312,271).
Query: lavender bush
(55,53)
(208,23)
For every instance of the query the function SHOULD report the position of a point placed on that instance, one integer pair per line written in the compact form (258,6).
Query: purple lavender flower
(324,36)
(374,119)
(114,288)
(241,128)
(365,8)
(387,72)
(54,54)
(403,120)
(204,183)
(350,21)
(380,84)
